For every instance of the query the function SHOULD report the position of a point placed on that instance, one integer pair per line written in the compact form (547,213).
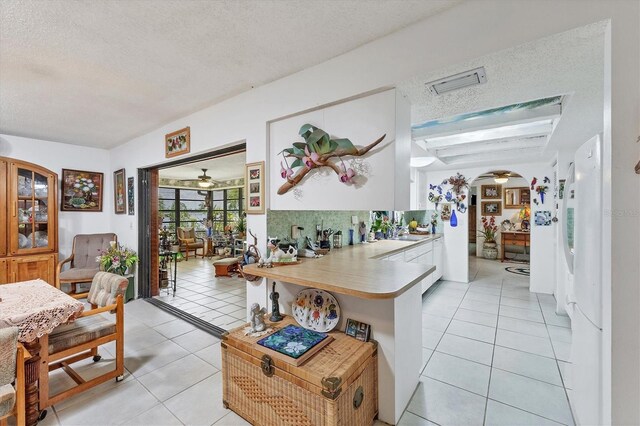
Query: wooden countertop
(355,270)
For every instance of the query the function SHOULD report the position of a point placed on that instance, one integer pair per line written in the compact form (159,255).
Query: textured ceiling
(99,73)
(220,168)
(570,63)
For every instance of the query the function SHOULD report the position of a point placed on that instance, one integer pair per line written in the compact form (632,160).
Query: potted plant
(118,259)
(241,226)
(489,232)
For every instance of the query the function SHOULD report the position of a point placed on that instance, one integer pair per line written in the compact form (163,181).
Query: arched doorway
(499,222)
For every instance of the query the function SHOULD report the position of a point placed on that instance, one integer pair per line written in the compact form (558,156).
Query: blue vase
(454,219)
(542,197)
(433,229)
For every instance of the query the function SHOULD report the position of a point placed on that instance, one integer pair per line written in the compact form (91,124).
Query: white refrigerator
(584,294)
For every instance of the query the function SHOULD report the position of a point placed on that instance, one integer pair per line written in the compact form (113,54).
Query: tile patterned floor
(220,301)
(494,354)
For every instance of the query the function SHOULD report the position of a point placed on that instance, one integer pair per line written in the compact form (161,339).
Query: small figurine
(256,318)
(275,306)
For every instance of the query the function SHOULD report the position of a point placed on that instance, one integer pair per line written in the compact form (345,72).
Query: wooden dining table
(36,308)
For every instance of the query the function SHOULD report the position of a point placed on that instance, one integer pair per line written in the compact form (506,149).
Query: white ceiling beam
(491,146)
(488,135)
(488,122)
(493,157)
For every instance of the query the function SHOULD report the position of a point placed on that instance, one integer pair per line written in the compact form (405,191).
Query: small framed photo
(491,208)
(358,330)
(445,213)
(491,192)
(177,143)
(254,188)
(120,191)
(131,197)
(81,191)
(561,188)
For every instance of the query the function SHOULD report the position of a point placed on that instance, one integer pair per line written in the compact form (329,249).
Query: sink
(411,237)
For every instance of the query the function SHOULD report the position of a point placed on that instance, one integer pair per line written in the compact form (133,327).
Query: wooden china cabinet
(28,222)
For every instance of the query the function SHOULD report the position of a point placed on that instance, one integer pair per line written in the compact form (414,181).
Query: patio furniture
(12,356)
(83,265)
(189,242)
(225,267)
(80,339)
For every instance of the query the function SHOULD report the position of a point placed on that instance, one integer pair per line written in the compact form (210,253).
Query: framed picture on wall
(119,191)
(491,192)
(177,143)
(81,191)
(445,212)
(491,208)
(131,197)
(254,188)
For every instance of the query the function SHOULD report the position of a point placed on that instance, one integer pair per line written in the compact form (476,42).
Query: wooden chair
(12,357)
(79,340)
(83,265)
(189,242)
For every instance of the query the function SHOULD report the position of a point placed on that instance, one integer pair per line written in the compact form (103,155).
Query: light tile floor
(484,364)
(494,354)
(220,301)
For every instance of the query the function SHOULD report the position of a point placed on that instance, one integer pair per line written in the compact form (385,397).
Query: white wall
(363,121)
(456,240)
(56,156)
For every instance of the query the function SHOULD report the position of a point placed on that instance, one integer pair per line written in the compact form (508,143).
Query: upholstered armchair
(83,265)
(189,242)
(12,356)
(70,343)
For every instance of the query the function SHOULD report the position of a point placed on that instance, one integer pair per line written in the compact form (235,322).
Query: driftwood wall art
(317,151)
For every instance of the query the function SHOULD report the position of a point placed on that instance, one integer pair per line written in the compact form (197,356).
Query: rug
(518,270)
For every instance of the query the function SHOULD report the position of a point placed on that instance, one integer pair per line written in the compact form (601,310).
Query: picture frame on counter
(81,191)
(358,330)
(491,208)
(491,192)
(254,188)
(120,191)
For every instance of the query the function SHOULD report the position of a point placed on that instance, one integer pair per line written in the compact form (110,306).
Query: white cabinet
(438,259)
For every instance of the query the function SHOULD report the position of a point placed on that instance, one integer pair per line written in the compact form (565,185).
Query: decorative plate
(316,310)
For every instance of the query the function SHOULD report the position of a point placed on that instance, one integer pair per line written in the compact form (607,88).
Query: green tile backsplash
(279,222)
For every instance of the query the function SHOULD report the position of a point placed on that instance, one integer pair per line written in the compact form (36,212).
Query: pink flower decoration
(285,172)
(311,159)
(347,174)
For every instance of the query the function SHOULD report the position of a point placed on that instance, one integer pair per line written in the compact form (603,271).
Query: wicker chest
(336,386)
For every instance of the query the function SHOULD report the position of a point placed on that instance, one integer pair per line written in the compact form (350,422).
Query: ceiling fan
(204,181)
(499,176)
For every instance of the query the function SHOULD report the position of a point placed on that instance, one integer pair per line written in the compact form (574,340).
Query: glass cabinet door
(32,219)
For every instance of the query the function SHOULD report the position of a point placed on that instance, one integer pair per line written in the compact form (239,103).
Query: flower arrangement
(434,219)
(542,189)
(458,183)
(489,229)
(117,259)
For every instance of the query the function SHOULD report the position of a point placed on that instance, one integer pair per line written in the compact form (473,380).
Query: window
(188,208)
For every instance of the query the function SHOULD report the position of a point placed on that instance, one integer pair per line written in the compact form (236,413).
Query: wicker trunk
(336,386)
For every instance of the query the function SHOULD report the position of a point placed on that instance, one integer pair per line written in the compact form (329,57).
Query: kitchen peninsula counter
(355,270)
(375,283)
